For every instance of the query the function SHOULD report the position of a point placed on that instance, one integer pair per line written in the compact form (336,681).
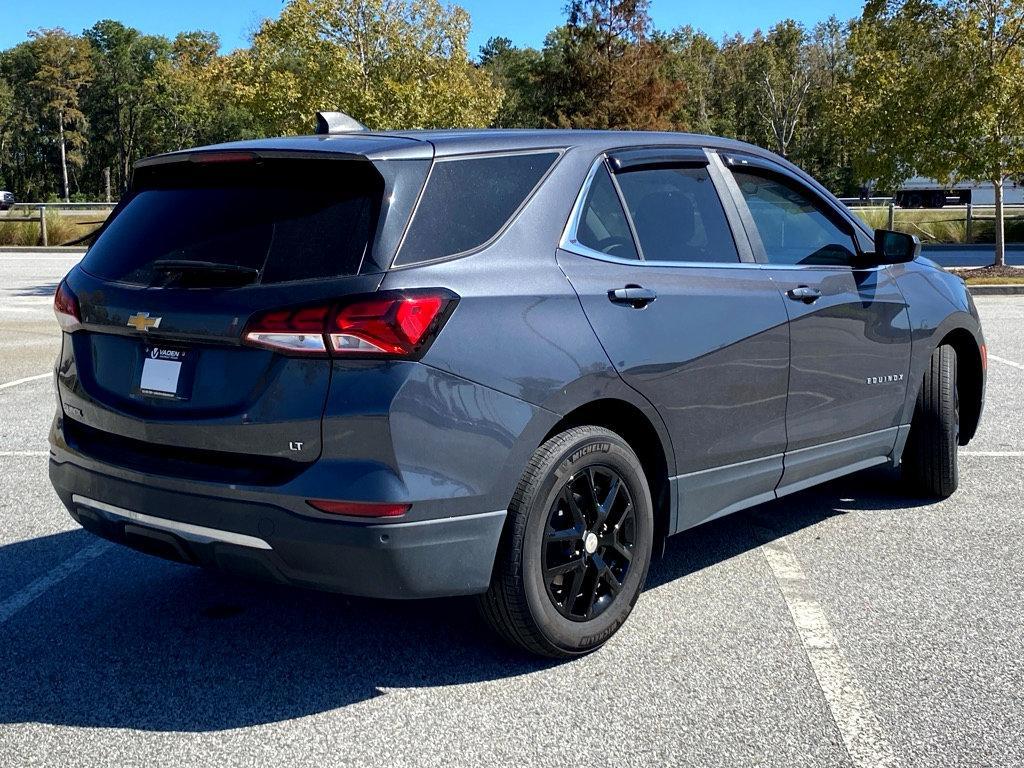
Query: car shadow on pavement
(129,641)
(43,289)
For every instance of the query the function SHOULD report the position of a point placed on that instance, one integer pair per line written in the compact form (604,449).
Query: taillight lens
(297,331)
(388,324)
(358,508)
(65,307)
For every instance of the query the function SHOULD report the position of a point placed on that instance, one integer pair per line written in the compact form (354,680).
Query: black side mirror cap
(895,247)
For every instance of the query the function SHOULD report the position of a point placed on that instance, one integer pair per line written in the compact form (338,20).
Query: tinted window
(288,224)
(602,225)
(468,201)
(793,226)
(677,215)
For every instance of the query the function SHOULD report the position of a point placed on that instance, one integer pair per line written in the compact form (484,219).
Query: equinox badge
(141,321)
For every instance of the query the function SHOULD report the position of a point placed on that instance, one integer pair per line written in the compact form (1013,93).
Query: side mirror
(895,247)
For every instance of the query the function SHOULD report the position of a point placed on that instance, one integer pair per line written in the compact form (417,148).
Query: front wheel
(576,548)
(930,457)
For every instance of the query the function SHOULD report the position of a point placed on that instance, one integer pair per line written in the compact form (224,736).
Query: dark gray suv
(501,363)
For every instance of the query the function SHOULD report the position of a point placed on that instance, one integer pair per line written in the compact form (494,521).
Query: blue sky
(524,21)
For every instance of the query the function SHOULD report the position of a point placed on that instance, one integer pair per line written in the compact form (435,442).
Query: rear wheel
(930,457)
(577,546)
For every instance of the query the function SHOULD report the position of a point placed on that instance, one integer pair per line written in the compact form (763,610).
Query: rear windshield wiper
(234,273)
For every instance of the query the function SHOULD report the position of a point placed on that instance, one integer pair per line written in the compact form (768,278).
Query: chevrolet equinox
(496,363)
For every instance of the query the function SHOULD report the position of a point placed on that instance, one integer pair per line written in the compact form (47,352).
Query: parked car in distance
(6,200)
(494,363)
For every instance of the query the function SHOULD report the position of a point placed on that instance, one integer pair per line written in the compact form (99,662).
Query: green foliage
(605,69)
(195,97)
(934,87)
(62,69)
(120,98)
(939,90)
(388,63)
(513,71)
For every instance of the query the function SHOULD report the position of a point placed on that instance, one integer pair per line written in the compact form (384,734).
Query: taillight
(358,508)
(386,324)
(65,307)
(298,331)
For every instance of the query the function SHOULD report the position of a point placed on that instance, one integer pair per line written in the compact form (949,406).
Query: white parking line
(859,727)
(992,453)
(20,599)
(1004,361)
(26,380)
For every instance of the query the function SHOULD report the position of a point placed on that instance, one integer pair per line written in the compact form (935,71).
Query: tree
(195,100)
(514,71)
(388,63)
(785,82)
(824,145)
(940,92)
(694,64)
(120,99)
(63,70)
(6,124)
(606,69)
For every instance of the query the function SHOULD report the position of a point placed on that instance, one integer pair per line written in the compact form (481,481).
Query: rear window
(278,220)
(467,201)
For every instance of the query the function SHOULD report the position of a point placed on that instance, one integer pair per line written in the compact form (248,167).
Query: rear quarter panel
(519,328)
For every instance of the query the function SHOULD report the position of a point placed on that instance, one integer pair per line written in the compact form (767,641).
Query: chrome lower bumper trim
(197,533)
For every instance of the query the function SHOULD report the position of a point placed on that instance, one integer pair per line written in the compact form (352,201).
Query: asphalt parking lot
(849,625)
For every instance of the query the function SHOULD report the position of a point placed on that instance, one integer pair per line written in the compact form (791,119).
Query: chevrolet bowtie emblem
(141,321)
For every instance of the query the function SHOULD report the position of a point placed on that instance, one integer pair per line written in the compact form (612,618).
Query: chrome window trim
(568,241)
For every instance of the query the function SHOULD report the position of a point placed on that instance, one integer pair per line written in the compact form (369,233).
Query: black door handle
(804,293)
(636,296)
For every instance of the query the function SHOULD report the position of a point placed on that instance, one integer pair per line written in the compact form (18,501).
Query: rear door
(159,374)
(849,325)
(687,318)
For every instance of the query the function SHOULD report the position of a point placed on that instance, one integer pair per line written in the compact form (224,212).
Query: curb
(70,250)
(996,290)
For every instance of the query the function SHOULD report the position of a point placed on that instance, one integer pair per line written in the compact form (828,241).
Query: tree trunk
(63,159)
(1000,259)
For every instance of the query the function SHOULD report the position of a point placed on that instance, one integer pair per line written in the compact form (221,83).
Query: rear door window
(282,221)
(468,200)
(678,215)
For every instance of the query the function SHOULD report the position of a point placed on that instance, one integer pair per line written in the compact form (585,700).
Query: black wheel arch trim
(963,333)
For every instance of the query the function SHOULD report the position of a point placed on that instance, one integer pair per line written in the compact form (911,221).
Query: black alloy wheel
(576,548)
(588,543)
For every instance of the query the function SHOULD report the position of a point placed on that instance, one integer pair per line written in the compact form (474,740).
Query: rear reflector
(388,324)
(358,508)
(65,307)
(984,357)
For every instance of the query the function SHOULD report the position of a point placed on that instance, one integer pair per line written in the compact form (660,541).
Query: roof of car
(457,141)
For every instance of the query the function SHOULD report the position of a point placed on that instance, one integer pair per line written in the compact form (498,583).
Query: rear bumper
(425,558)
